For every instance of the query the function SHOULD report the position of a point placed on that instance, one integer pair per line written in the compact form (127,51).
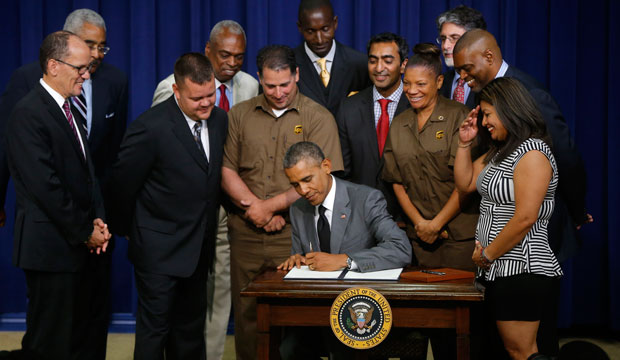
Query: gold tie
(324,73)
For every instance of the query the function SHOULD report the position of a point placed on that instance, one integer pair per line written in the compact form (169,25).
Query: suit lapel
(311,79)
(367,113)
(184,135)
(98,110)
(214,136)
(310,226)
(236,91)
(338,72)
(340,216)
(59,116)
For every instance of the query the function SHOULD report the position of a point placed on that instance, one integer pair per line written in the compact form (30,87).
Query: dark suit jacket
(349,73)
(109,115)
(166,197)
(446,89)
(360,149)
(570,197)
(57,192)
(361,228)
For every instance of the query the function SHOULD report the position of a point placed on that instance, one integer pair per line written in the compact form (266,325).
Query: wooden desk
(414,305)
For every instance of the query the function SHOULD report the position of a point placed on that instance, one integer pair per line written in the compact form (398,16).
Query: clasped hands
(100,237)
(262,216)
(428,232)
(318,261)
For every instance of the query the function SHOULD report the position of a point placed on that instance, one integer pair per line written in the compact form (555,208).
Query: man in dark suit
(363,120)
(328,70)
(59,209)
(103,118)
(105,94)
(167,184)
(336,225)
(451,25)
(478,60)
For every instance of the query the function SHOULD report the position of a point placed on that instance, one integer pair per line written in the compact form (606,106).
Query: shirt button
(271,157)
(273,138)
(268,176)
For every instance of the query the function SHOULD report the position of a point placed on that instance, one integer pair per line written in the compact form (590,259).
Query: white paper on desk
(389,274)
(304,273)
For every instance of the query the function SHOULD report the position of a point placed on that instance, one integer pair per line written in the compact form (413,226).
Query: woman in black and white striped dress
(516,179)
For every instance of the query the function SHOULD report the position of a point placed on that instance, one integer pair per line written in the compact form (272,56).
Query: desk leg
(462,333)
(262,324)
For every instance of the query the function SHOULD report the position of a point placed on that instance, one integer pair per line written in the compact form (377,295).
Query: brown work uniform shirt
(422,161)
(257,141)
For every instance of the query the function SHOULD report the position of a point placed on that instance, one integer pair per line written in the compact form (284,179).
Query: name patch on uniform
(439,135)
(361,318)
(298,129)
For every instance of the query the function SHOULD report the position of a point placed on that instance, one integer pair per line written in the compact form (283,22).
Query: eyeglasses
(102,49)
(80,69)
(452,38)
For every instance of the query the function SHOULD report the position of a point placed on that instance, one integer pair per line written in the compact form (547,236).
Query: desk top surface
(270,284)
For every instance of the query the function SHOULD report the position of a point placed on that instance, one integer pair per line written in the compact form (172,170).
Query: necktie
(322,228)
(224,105)
(383,125)
(324,74)
(198,139)
(80,104)
(459,91)
(67,110)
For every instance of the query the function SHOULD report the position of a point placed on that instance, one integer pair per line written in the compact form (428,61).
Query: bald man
(478,60)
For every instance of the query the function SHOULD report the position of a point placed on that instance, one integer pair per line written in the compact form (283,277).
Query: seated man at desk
(338,224)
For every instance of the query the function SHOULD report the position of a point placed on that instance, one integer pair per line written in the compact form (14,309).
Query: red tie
(67,110)
(459,92)
(224,105)
(383,125)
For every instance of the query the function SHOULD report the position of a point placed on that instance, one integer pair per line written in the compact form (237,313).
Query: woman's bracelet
(484,258)
(466,145)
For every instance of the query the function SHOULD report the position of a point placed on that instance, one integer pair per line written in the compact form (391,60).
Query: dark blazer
(109,115)
(166,196)
(57,192)
(570,197)
(446,89)
(349,73)
(360,149)
(361,228)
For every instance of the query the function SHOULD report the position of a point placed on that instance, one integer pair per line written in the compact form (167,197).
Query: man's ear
(326,165)
(488,56)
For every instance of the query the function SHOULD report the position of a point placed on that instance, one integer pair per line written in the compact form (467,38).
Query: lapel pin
(343,216)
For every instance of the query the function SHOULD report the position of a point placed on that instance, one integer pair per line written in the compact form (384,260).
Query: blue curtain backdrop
(566,44)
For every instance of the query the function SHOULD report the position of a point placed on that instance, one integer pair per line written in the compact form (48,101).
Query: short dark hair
(462,16)
(304,150)
(276,57)
(518,113)
(54,46)
(308,5)
(388,37)
(195,66)
(426,55)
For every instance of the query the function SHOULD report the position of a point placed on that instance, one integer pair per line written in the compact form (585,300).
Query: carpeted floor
(120,346)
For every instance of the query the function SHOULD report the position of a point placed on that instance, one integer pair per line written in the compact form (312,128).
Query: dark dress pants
(171,315)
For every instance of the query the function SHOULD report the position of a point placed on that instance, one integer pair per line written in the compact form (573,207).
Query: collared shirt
(60,100)
(229,91)
(328,204)
(204,132)
(329,57)
(392,105)
(257,140)
(502,70)
(455,82)
(87,86)
(422,161)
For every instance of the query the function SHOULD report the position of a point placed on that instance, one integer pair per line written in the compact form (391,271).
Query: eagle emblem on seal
(361,313)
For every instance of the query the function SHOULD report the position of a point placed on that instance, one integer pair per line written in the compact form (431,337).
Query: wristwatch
(349,263)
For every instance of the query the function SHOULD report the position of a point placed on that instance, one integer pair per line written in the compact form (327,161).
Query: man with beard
(364,119)
(451,25)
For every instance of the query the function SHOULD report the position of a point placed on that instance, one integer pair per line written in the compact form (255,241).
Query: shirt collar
(314,57)
(502,70)
(228,84)
(60,100)
(394,97)
(328,202)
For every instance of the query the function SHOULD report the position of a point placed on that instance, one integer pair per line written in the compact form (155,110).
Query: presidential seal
(361,318)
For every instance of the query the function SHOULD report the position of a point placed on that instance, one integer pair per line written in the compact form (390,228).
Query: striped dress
(496,186)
